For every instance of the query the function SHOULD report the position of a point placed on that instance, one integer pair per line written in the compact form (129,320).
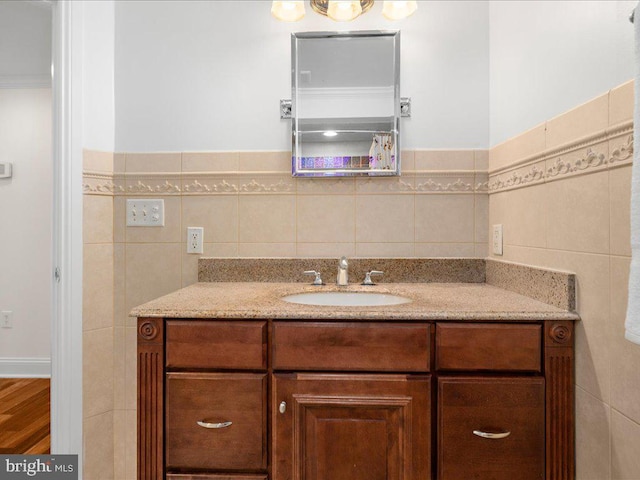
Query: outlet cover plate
(195,239)
(6,319)
(143,212)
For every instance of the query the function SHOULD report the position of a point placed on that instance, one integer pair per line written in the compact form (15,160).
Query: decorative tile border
(623,129)
(100,184)
(610,149)
(522,177)
(202,173)
(459,185)
(623,153)
(590,160)
(210,185)
(245,183)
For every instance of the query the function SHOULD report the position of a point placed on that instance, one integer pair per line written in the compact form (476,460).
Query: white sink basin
(346,299)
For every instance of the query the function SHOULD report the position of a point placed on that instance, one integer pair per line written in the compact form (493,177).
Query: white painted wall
(548,57)
(25,230)
(25,39)
(98,75)
(208,75)
(26,198)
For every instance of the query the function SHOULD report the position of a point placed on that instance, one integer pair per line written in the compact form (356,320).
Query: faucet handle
(367,277)
(317,280)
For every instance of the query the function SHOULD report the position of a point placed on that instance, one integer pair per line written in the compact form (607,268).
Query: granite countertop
(430,301)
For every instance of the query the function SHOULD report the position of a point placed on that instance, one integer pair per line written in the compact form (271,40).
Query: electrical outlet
(497,239)
(6,319)
(194,239)
(145,213)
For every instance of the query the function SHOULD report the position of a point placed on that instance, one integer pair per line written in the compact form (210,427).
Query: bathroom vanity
(468,380)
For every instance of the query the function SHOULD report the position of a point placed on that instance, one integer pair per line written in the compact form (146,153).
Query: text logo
(40,467)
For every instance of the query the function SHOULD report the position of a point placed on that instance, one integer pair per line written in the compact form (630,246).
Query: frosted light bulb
(343,11)
(291,11)
(397,10)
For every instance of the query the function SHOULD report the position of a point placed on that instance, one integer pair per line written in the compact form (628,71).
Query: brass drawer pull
(214,425)
(491,435)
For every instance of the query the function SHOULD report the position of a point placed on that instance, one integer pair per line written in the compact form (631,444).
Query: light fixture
(344,11)
(288,11)
(330,133)
(341,10)
(398,10)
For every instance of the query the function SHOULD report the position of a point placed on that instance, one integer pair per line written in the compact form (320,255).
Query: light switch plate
(145,213)
(497,239)
(5,170)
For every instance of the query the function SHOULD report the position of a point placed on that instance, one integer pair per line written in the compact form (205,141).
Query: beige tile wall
(98,381)
(562,192)
(249,205)
(260,210)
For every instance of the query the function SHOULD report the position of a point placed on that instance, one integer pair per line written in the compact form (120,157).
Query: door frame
(66,318)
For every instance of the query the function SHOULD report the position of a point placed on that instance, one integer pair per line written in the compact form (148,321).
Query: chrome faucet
(343,272)
(317,280)
(367,277)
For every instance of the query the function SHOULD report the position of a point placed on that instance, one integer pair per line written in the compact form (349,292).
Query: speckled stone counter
(439,289)
(549,286)
(396,270)
(431,301)
(233,340)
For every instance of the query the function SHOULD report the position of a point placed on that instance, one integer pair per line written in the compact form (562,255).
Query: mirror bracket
(405,106)
(285,108)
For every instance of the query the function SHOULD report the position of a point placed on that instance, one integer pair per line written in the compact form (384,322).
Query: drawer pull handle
(491,435)
(214,425)
(283,407)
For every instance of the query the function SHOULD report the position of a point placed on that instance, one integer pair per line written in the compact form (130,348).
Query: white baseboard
(25,367)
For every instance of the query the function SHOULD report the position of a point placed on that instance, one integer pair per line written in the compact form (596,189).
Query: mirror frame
(296,157)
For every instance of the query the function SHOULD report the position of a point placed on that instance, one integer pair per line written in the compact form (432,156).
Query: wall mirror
(345,103)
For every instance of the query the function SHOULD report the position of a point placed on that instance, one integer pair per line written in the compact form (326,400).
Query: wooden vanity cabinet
(351,427)
(369,400)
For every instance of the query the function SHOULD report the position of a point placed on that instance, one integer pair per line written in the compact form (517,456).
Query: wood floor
(24,416)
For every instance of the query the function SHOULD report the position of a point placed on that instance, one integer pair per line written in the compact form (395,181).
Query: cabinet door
(491,428)
(216,421)
(351,427)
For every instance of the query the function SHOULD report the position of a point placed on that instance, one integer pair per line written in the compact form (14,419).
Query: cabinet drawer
(213,476)
(381,347)
(225,345)
(214,399)
(488,346)
(491,405)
